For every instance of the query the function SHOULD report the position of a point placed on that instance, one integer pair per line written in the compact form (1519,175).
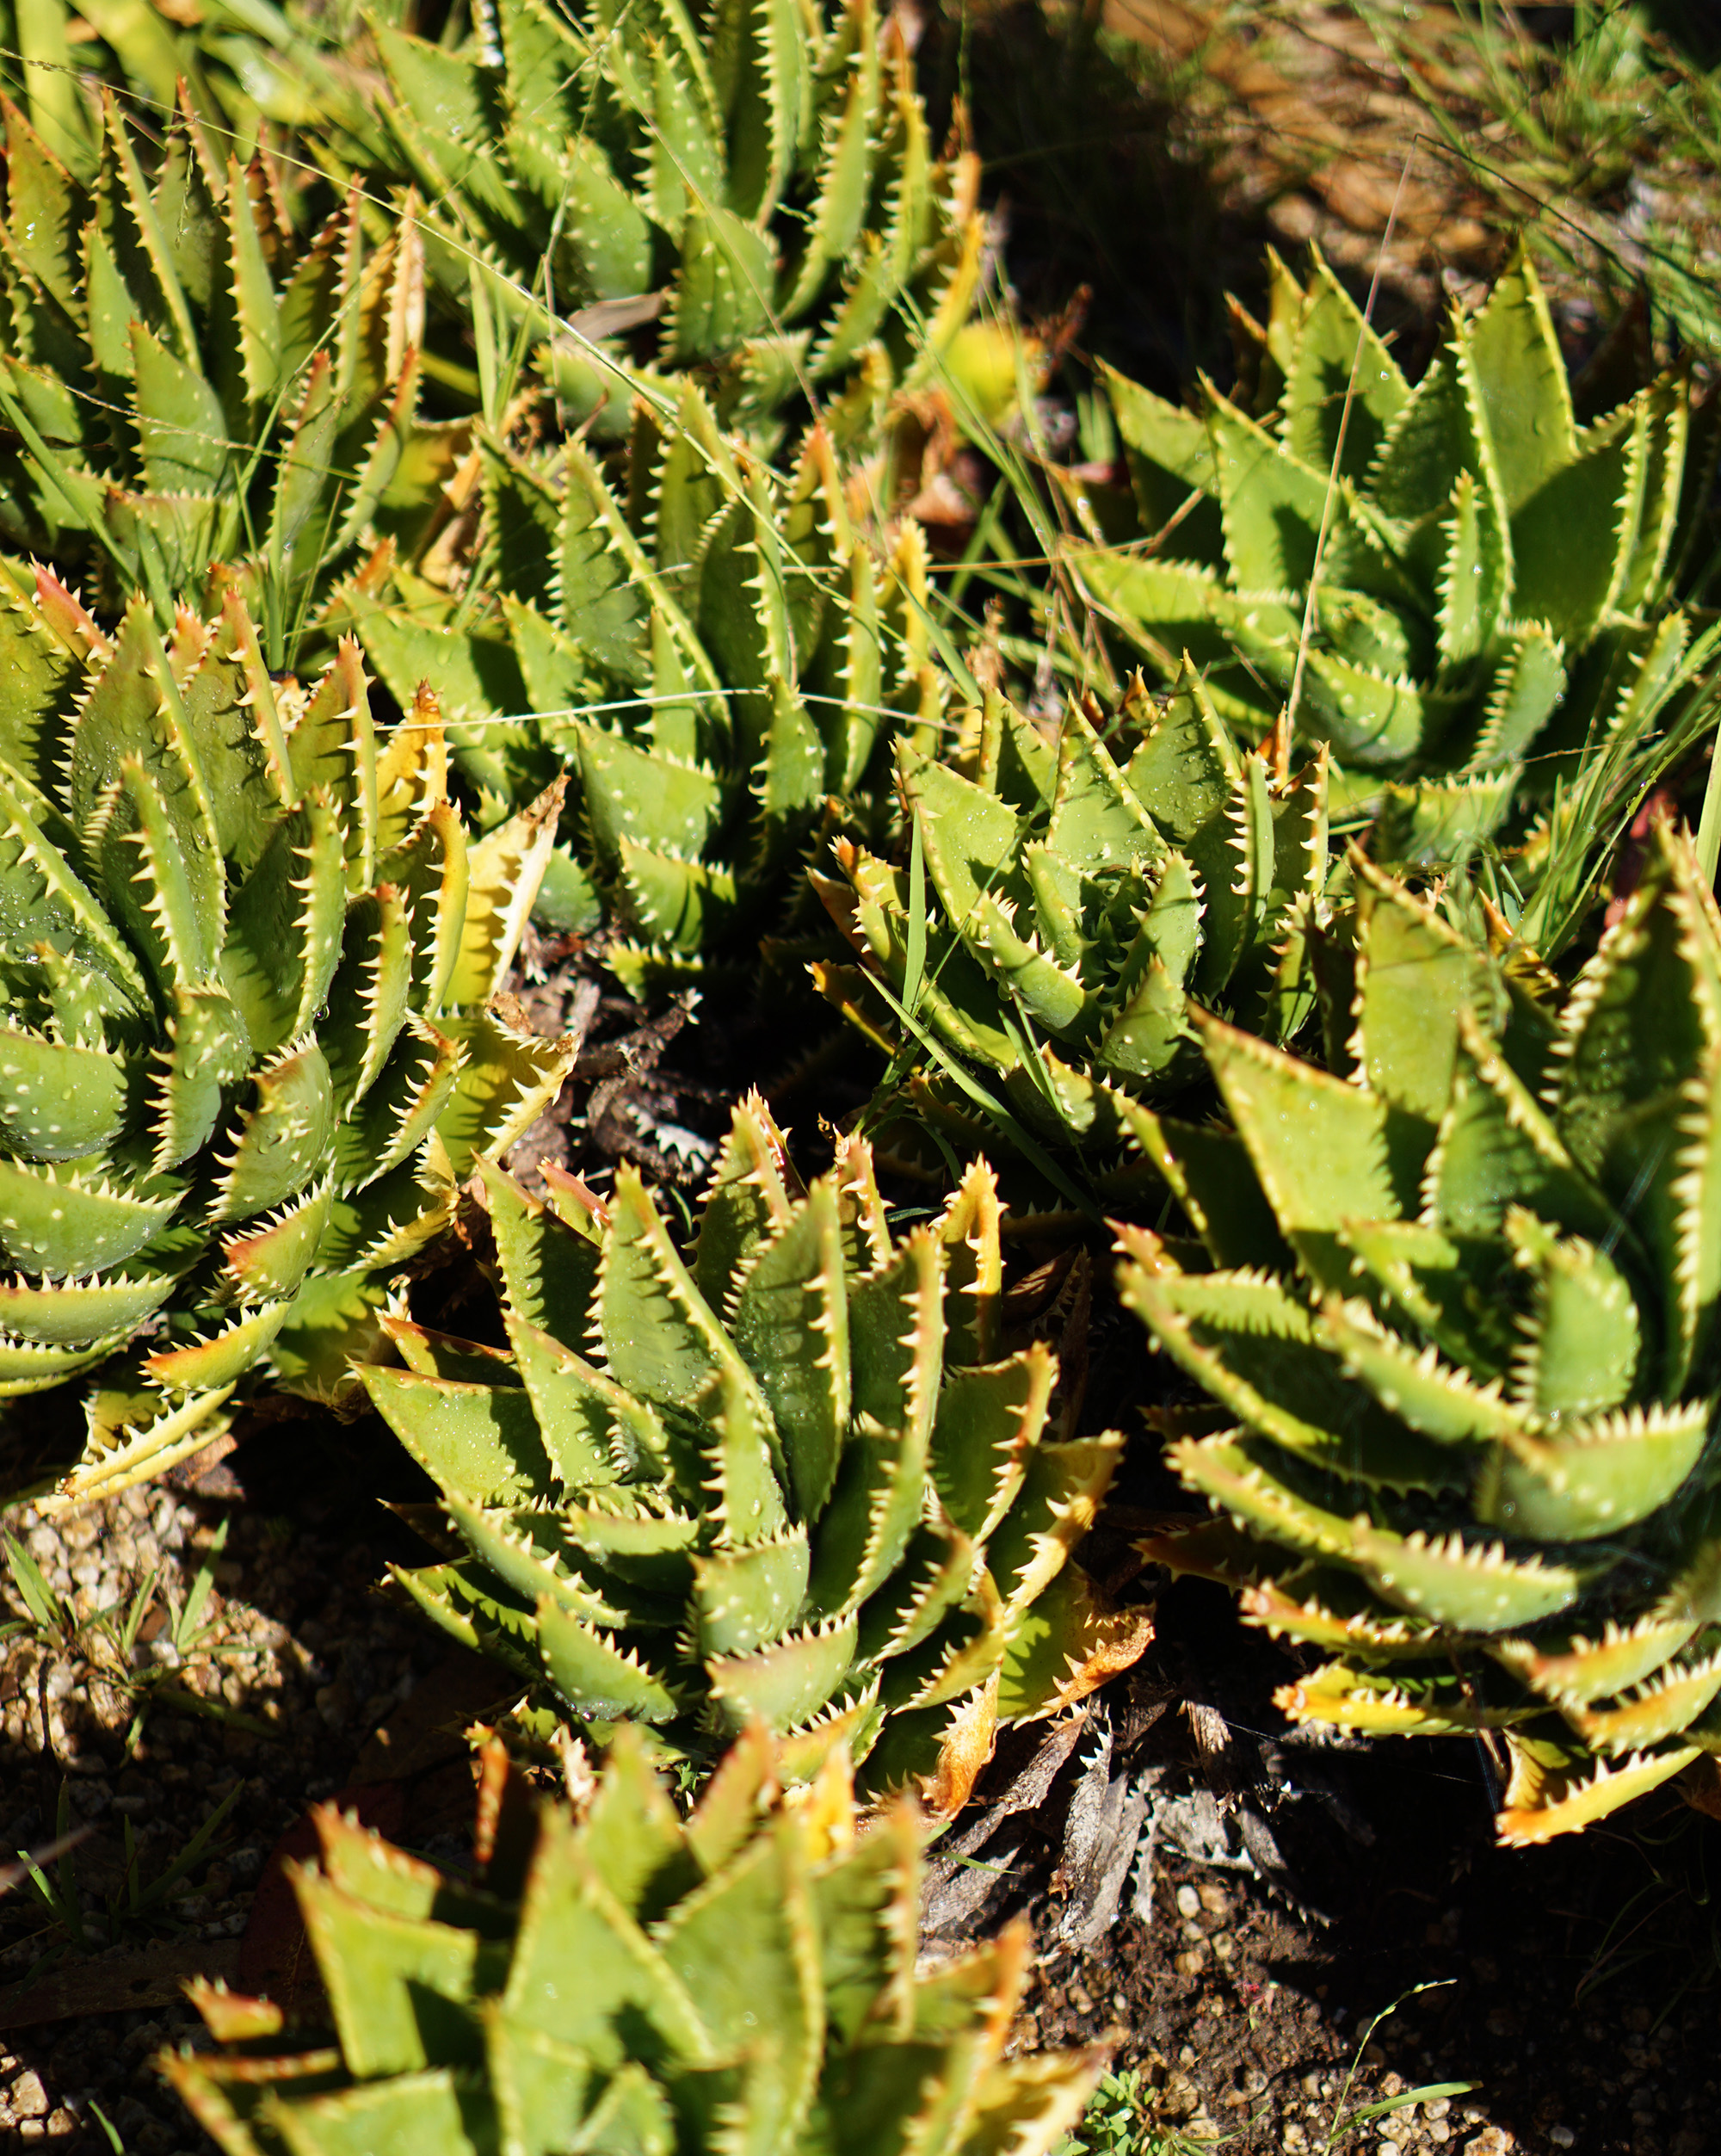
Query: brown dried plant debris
(653,1086)
(1321,122)
(1452,127)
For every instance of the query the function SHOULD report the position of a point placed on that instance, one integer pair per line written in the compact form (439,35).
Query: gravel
(297,1660)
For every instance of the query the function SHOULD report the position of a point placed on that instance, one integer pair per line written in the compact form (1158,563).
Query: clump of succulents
(715,658)
(1457,1312)
(240,68)
(707,646)
(1453,585)
(185,381)
(247,956)
(792,1479)
(755,181)
(625,1979)
(1086,889)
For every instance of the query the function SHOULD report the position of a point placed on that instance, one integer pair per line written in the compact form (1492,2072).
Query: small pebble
(30,2098)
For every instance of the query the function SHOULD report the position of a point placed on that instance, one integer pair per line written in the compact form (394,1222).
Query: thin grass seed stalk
(794,1478)
(1491,615)
(628,1980)
(186,380)
(247,1055)
(1456,1313)
(715,655)
(1081,891)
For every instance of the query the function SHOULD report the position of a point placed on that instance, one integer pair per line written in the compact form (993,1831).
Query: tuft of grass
(138,1902)
(1118,2122)
(1605,137)
(1668,1923)
(109,1642)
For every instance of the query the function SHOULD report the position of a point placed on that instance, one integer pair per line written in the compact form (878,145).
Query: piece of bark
(152,1976)
(429,1727)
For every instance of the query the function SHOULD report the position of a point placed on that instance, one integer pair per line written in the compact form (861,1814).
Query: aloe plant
(797,1481)
(247,1056)
(1087,889)
(627,1980)
(185,382)
(242,66)
(715,658)
(708,647)
(753,188)
(1457,1315)
(614,194)
(1454,586)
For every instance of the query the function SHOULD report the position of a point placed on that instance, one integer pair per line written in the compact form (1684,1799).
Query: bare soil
(1575,1984)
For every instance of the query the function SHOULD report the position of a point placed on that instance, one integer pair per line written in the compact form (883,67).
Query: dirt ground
(302,1659)
(1575,1984)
